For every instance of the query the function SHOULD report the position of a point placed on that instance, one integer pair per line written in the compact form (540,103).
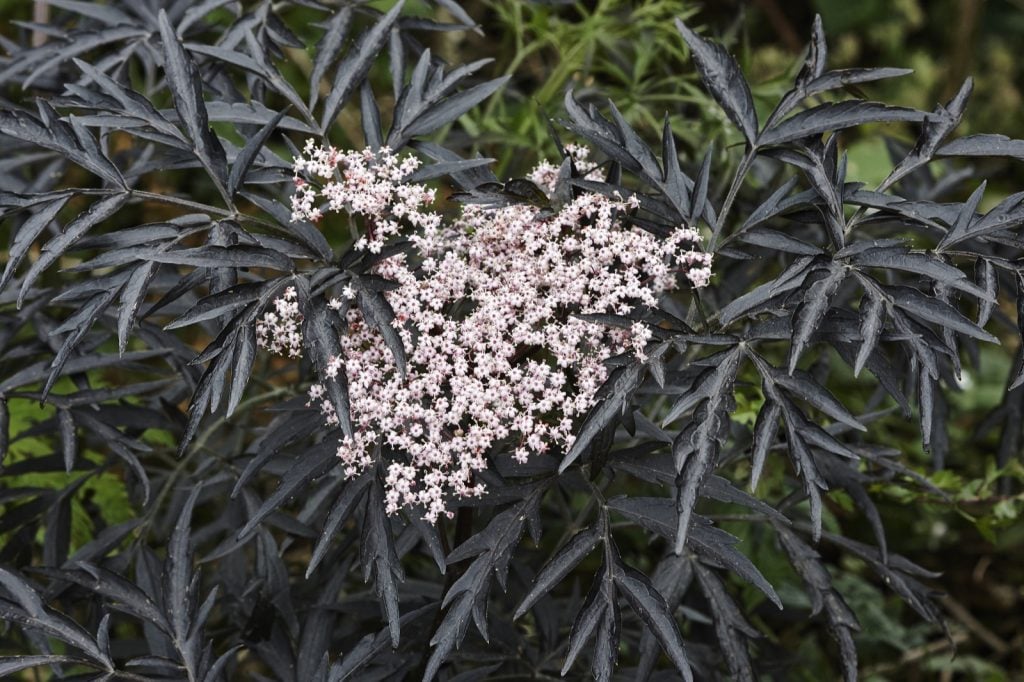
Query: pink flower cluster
(364,183)
(280,330)
(545,175)
(487,308)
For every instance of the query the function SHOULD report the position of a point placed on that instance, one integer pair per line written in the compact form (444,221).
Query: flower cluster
(367,184)
(488,308)
(280,330)
(545,175)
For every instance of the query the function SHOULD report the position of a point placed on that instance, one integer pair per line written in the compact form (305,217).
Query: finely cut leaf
(27,234)
(724,81)
(379,314)
(356,64)
(622,383)
(872,318)
(816,303)
(934,310)
(444,112)
(648,603)
(570,554)
(310,464)
(984,145)
(187,88)
(73,231)
(833,116)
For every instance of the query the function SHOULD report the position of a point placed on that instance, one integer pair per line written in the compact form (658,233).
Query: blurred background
(631,53)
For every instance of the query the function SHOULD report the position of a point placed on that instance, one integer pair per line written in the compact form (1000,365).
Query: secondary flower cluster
(487,308)
(280,330)
(365,183)
(545,174)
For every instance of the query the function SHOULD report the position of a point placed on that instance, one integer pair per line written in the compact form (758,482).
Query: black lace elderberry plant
(175,508)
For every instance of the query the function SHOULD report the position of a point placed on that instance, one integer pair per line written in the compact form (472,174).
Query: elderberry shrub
(301,386)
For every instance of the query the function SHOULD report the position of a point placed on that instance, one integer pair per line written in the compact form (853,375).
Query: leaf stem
(734,188)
